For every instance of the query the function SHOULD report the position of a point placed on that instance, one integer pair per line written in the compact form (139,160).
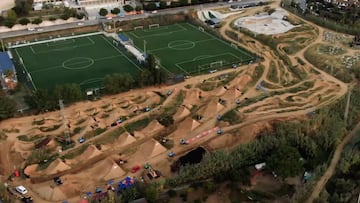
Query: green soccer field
(84,60)
(184,49)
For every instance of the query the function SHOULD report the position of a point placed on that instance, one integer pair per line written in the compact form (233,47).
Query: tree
(24,21)
(166,120)
(68,92)
(129,194)
(117,83)
(115,11)
(151,6)
(285,161)
(7,107)
(152,193)
(22,7)
(128,8)
(11,15)
(163,4)
(103,12)
(138,8)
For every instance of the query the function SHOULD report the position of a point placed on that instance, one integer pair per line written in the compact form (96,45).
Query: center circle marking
(78,63)
(181,45)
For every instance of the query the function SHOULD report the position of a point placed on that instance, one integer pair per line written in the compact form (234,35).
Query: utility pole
(65,122)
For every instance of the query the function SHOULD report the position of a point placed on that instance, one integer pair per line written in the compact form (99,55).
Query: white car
(21,189)
(154,11)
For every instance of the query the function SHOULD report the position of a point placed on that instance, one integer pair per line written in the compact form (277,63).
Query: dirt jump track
(284,99)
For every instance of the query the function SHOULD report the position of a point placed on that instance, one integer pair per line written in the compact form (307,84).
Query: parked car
(58,181)
(81,140)
(135,169)
(21,189)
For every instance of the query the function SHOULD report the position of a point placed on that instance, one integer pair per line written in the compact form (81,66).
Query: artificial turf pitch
(184,49)
(81,60)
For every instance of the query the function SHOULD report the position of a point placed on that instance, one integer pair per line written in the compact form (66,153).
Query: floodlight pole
(144,46)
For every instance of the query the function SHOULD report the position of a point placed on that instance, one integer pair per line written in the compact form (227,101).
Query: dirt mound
(139,134)
(104,170)
(220,91)
(188,124)
(211,109)
(49,192)
(241,82)
(30,170)
(56,166)
(231,94)
(151,148)
(89,153)
(192,97)
(124,139)
(153,127)
(181,113)
(115,172)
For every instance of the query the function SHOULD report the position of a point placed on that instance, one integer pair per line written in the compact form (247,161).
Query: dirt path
(331,169)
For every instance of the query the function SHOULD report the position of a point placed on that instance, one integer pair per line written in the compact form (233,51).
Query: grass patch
(12,130)
(104,115)
(38,122)
(3,136)
(137,125)
(110,136)
(105,106)
(232,117)
(48,129)
(300,61)
(77,130)
(188,86)
(171,109)
(80,121)
(76,152)
(94,133)
(273,74)
(29,139)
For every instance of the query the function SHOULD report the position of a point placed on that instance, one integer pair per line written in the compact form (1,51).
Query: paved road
(145,15)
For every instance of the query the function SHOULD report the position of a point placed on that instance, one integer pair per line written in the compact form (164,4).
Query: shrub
(37,21)
(24,21)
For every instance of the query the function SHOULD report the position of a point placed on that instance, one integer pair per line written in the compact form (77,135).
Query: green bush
(37,21)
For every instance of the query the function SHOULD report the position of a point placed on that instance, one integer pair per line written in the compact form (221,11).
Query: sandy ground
(142,147)
(6,4)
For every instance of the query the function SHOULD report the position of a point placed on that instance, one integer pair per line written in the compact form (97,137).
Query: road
(17,33)
(331,169)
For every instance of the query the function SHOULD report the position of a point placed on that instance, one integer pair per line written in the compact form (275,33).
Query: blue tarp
(123,38)
(5,62)
(125,183)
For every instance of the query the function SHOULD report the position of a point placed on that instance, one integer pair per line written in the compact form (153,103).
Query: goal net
(212,65)
(154,26)
(139,28)
(201,29)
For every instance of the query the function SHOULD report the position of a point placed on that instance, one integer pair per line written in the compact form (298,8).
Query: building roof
(5,62)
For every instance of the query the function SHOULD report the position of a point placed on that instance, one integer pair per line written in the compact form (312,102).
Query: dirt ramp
(105,170)
(89,153)
(56,166)
(31,170)
(211,109)
(181,113)
(124,139)
(151,148)
(153,127)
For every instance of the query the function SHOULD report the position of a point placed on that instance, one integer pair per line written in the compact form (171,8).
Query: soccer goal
(233,45)
(116,42)
(201,29)
(212,65)
(139,28)
(154,26)
(216,64)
